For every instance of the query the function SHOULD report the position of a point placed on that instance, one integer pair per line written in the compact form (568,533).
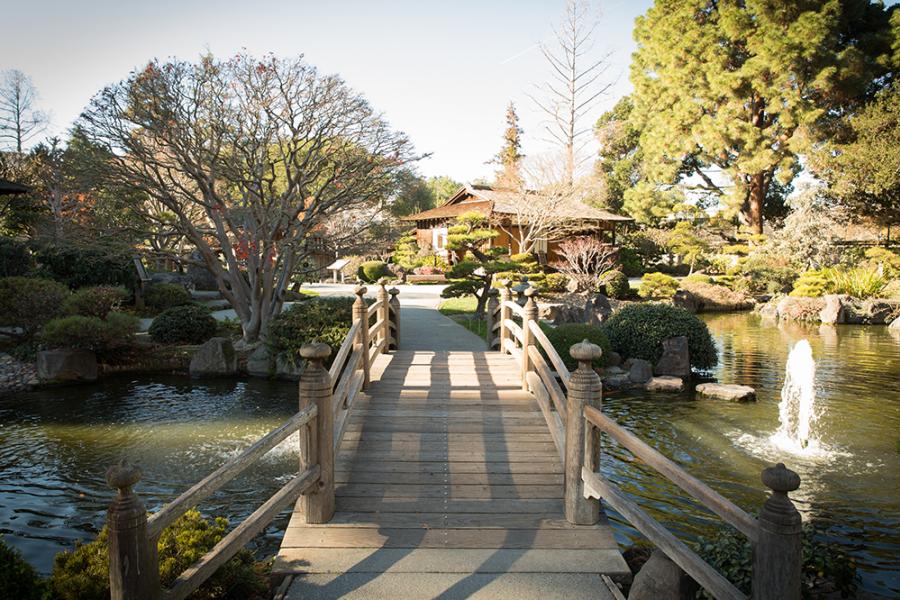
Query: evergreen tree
(742,86)
(510,155)
(619,157)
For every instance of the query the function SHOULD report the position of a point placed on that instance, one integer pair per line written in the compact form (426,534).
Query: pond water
(56,444)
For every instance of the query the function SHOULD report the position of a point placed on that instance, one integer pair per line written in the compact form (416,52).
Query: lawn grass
(463,309)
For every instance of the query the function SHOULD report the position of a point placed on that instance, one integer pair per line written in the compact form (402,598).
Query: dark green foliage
(373,270)
(83,574)
(163,296)
(18,579)
(638,330)
(105,337)
(190,324)
(564,336)
(97,301)
(617,286)
(630,262)
(826,566)
(15,259)
(320,319)
(29,303)
(406,251)
(81,267)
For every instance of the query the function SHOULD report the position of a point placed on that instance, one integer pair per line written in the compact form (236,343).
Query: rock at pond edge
(727,391)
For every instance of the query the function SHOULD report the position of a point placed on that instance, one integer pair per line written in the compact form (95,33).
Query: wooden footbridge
(450,474)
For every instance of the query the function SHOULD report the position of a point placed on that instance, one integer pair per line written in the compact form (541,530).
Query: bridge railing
(326,399)
(571,403)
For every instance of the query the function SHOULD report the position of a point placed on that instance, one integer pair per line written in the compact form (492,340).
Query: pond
(56,444)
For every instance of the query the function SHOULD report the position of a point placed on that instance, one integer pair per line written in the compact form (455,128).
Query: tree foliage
(619,159)
(510,155)
(474,273)
(20,119)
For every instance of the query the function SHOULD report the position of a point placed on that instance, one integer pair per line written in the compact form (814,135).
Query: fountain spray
(798,396)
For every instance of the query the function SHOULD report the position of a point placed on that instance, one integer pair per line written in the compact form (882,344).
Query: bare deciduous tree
(266,150)
(20,121)
(584,260)
(575,81)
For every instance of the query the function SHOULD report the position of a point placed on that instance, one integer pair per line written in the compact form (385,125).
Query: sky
(441,71)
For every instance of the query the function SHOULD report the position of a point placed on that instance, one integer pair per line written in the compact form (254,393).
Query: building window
(439,238)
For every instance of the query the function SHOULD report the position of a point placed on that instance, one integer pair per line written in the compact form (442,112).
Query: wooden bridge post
(384,314)
(505,296)
(778,552)
(531,314)
(318,445)
(585,389)
(133,563)
(361,315)
(493,314)
(394,330)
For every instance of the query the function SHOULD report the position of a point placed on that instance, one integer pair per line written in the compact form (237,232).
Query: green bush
(79,267)
(657,285)
(697,278)
(97,301)
(15,259)
(83,574)
(553,282)
(320,319)
(630,262)
(30,303)
(105,337)
(811,284)
(373,270)
(638,330)
(163,296)
(861,282)
(616,283)
(18,579)
(564,336)
(763,274)
(827,568)
(190,324)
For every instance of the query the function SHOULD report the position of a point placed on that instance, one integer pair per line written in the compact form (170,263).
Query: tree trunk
(756,200)
(482,299)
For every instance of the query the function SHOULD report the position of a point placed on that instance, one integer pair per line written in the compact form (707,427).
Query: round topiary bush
(373,270)
(97,301)
(638,330)
(564,336)
(616,283)
(29,303)
(163,296)
(657,285)
(105,337)
(189,324)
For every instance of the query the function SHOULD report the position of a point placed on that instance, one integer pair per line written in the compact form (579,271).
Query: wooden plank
(435,478)
(453,491)
(342,388)
(343,418)
(341,356)
(514,307)
(554,423)
(368,537)
(680,554)
(556,393)
(514,329)
(499,506)
(554,357)
(704,494)
(348,461)
(439,520)
(448,443)
(427,438)
(231,469)
(454,456)
(426,425)
(455,413)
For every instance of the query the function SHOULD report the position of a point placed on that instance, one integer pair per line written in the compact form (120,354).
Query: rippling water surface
(56,444)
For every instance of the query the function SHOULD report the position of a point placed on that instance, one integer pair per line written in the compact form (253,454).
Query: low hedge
(616,284)
(163,296)
(322,319)
(29,303)
(105,337)
(189,324)
(97,301)
(657,285)
(564,336)
(638,330)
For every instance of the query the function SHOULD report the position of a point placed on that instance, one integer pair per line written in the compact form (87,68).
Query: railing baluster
(531,314)
(778,552)
(315,388)
(493,308)
(361,314)
(505,296)
(395,320)
(585,389)
(133,563)
(384,314)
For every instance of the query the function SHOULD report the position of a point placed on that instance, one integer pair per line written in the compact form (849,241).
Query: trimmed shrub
(18,579)
(163,296)
(79,267)
(15,259)
(696,278)
(553,283)
(105,338)
(638,330)
(83,574)
(30,303)
(97,301)
(657,285)
(320,319)
(616,283)
(190,324)
(564,336)
(373,270)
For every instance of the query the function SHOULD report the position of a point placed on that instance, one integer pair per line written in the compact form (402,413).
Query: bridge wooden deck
(448,485)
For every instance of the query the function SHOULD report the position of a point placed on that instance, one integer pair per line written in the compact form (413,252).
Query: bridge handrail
(326,398)
(575,422)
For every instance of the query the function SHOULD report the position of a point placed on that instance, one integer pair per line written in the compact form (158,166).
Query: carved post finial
(585,353)
(123,476)
(582,440)
(317,436)
(777,555)
(315,353)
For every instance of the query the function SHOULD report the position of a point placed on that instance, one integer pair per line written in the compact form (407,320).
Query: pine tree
(510,156)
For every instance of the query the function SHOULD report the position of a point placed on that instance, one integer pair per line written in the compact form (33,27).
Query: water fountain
(796,411)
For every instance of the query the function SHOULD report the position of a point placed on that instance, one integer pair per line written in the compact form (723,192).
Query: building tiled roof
(9,187)
(488,200)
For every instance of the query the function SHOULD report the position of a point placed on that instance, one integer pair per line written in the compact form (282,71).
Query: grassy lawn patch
(462,311)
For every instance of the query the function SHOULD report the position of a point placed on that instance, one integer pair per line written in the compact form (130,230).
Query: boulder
(661,579)
(616,381)
(260,363)
(200,277)
(169,277)
(676,358)
(665,384)
(895,325)
(66,365)
(214,358)
(597,310)
(877,311)
(613,358)
(288,369)
(686,300)
(833,311)
(727,391)
(799,308)
(640,370)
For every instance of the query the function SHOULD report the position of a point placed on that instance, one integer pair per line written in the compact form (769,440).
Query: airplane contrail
(518,54)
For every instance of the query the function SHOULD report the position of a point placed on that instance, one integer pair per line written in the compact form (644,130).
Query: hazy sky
(442,71)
